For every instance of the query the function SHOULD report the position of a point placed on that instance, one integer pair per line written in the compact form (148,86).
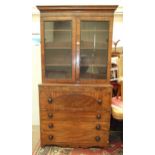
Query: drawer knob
(98,127)
(98,116)
(99,101)
(50,137)
(50,100)
(50,115)
(97,138)
(50,125)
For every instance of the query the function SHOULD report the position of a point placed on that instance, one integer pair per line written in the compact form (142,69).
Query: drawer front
(62,126)
(76,138)
(74,98)
(100,116)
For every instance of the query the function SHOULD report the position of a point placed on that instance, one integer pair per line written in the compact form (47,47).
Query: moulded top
(108,8)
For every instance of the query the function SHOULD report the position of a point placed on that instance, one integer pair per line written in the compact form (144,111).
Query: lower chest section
(74,116)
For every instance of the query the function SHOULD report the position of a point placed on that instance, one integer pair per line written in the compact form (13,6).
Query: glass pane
(58,49)
(94,49)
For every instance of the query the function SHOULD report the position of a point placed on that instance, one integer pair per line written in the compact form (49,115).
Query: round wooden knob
(99,101)
(50,125)
(50,115)
(50,137)
(97,138)
(98,116)
(98,127)
(50,100)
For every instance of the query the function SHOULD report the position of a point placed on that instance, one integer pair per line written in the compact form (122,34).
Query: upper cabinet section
(76,43)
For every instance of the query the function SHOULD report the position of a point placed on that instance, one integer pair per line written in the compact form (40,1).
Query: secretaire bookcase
(75,94)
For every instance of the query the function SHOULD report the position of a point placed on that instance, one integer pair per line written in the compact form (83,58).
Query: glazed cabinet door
(58,49)
(93,46)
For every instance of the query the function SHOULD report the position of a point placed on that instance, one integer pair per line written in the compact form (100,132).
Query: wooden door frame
(97,18)
(44,19)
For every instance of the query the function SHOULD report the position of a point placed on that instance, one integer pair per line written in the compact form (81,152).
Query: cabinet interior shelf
(57,50)
(66,48)
(59,30)
(86,65)
(93,65)
(62,30)
(89,48)
(69,48)
(50,65)
(94,30)
(61,45)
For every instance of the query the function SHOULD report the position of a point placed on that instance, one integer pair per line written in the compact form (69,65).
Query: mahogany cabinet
(75,94)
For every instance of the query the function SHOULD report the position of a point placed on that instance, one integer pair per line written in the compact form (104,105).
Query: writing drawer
(90,100)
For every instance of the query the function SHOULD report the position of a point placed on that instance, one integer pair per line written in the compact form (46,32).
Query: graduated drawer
(75,116)
(61,126)
(76,138)
(74,98)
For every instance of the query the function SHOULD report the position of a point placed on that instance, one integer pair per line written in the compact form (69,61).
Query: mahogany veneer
(75,96)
